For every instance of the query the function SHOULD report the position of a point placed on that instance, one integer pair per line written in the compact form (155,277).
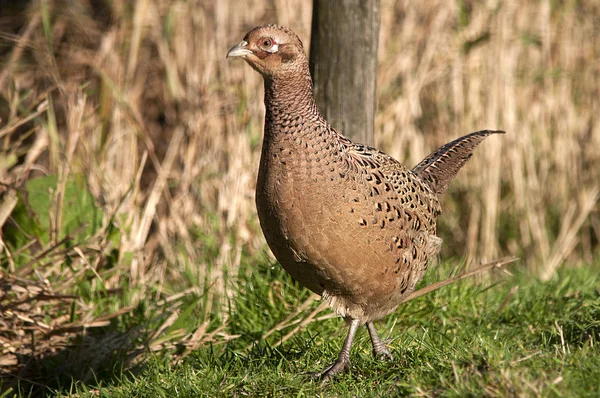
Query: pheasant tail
(440,167)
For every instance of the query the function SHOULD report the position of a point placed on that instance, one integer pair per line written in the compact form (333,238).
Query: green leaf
(471,44)
(78,209)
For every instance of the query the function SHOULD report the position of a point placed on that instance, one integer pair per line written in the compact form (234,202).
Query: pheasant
(345,220)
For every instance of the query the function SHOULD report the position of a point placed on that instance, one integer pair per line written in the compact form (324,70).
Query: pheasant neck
(289,97)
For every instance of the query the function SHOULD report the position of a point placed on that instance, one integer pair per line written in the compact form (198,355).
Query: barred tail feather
(440,167)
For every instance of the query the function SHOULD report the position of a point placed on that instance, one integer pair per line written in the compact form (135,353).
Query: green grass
(508,335)
(517,336)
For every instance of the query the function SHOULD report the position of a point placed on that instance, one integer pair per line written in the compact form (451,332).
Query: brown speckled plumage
(345,220)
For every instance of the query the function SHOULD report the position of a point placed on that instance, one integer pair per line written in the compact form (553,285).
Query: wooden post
(343,64)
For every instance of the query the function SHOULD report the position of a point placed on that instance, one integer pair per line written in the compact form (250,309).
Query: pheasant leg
(343,362)
(379,347)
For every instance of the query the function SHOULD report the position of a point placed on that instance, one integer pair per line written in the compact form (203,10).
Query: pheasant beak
(239,50)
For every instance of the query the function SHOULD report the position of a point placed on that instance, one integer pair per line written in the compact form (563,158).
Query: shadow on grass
(573,335)
(90,359)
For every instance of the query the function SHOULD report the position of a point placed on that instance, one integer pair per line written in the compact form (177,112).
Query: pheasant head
(272,50)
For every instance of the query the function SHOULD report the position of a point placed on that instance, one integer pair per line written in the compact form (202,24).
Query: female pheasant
(345,220)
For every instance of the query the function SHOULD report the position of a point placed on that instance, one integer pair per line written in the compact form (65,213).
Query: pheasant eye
(268,45)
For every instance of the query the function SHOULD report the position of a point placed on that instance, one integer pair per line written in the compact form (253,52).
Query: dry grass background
(138,98)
